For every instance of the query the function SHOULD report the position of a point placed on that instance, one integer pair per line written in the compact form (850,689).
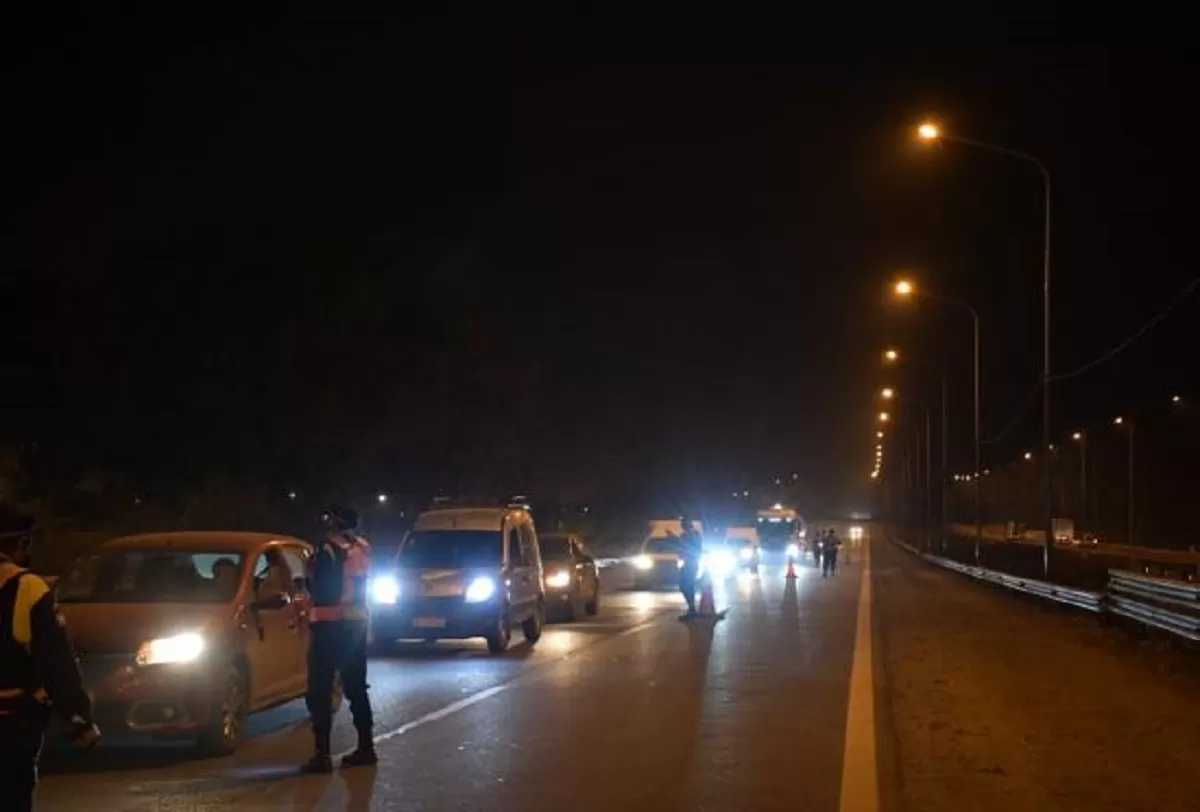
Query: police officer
(829,553)
(38,672)
(338,626)
(691,547)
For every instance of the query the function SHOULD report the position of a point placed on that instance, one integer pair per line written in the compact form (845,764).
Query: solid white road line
(860,780)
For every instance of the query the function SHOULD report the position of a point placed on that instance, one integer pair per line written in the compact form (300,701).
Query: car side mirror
(272,604)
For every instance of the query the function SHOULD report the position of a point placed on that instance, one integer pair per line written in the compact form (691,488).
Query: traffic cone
(708,606)
(791,570)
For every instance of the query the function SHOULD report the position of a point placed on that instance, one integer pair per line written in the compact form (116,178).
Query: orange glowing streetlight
(884,417)
(904,287)
(891,355)
(929,132)
(887,393)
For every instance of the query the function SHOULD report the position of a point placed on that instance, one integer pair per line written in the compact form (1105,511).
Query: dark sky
(571,252)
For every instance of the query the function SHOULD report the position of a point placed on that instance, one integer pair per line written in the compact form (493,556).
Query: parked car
(572,579)
(463,572)
(185,634)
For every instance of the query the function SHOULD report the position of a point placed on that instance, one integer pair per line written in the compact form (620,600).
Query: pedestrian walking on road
(691,547)
(38,671)
(338,626)
(829,553)
(815,544)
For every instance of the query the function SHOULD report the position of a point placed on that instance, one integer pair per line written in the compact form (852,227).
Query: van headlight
(385,590)
(558,580)
(481,589)
(642,562)
(177,649)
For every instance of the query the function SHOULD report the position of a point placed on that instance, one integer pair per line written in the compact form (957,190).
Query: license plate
(429,622)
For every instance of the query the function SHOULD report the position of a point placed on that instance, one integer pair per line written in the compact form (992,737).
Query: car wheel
(227,725)
(500,636)
(532,626)
(593,606)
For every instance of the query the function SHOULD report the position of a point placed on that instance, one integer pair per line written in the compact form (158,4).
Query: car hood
(119,628)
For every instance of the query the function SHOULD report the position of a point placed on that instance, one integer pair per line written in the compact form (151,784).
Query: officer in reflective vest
(38,672)
(338,625)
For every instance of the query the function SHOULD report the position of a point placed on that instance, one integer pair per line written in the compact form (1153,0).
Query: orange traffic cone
(791,570)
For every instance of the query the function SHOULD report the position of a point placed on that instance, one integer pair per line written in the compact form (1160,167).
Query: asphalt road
(910,688)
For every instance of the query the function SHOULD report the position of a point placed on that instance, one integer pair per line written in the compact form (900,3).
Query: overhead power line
(1141,331)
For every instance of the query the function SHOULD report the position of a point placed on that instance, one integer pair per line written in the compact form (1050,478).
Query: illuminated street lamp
(382,498)
(1081,438)
(887,393)
(904,288)
(930,132)
(891,355)
(1028,455)
(879,435)
(884,417)
(1077,436)
(1118,421)
(1176,398)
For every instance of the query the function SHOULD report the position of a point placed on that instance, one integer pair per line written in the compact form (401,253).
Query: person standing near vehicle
(38,671)
(829,553)
(691,547)
(815,544)
(338,624)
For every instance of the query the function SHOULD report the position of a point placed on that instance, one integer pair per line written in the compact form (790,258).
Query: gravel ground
(1000,703)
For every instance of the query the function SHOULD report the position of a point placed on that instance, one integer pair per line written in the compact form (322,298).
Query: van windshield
(451,549)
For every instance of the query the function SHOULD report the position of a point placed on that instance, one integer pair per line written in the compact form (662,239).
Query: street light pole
(1131,511)
(945,467)
(931,132)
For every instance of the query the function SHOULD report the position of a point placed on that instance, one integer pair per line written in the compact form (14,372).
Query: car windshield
(555,548)
(153,576)
(654,546)
(451,549)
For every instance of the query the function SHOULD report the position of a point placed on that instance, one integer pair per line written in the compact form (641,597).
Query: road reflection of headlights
(480,590)
(793,550)
(385,590)
(558,580)
(642,562)
(181,648)
(747,554)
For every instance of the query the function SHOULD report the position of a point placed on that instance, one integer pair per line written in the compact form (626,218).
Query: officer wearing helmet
(338,624)
(38,672)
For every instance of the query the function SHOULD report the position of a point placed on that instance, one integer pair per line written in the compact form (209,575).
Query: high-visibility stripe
(30,590)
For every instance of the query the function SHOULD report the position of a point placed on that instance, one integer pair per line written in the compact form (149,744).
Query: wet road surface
(906,689)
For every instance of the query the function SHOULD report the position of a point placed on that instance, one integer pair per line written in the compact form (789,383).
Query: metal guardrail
(1169,605)
(1156,602)
(1081,598)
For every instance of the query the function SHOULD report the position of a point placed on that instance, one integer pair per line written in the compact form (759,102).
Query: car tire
(592,607)
(501,635)
(533,625)
(227,723)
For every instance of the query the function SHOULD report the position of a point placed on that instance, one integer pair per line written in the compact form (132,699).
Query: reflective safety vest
(353,558)
(20,690)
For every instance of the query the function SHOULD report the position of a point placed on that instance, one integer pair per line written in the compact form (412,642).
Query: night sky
(571,254)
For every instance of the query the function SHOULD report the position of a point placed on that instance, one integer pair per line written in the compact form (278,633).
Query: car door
(272,632)
(531,569)
(295,558)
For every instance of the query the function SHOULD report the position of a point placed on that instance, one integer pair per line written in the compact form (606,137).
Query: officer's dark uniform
(38,673)
(830,554)
(338,625)
(691,547)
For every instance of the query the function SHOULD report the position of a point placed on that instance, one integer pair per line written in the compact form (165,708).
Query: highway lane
(632,707)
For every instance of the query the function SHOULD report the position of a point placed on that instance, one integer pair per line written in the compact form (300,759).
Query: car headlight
(178,649)
(719,564)
(747,554)
(480,590)
(793,550)
(642,562)
(385,589)
(558,580)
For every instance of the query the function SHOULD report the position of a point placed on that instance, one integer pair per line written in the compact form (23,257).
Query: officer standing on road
(817,538)
(338,624)
(691,547)
(38,672)
(829,553)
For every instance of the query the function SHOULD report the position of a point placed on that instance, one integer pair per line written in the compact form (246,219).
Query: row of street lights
(931,133)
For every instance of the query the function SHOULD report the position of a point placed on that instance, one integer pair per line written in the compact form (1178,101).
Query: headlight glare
(558,580)
(480,590)
(385,590)
(177,649)
(642,562)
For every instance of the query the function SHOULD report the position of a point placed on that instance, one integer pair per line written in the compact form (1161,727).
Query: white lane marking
(860,780)
(488,693)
